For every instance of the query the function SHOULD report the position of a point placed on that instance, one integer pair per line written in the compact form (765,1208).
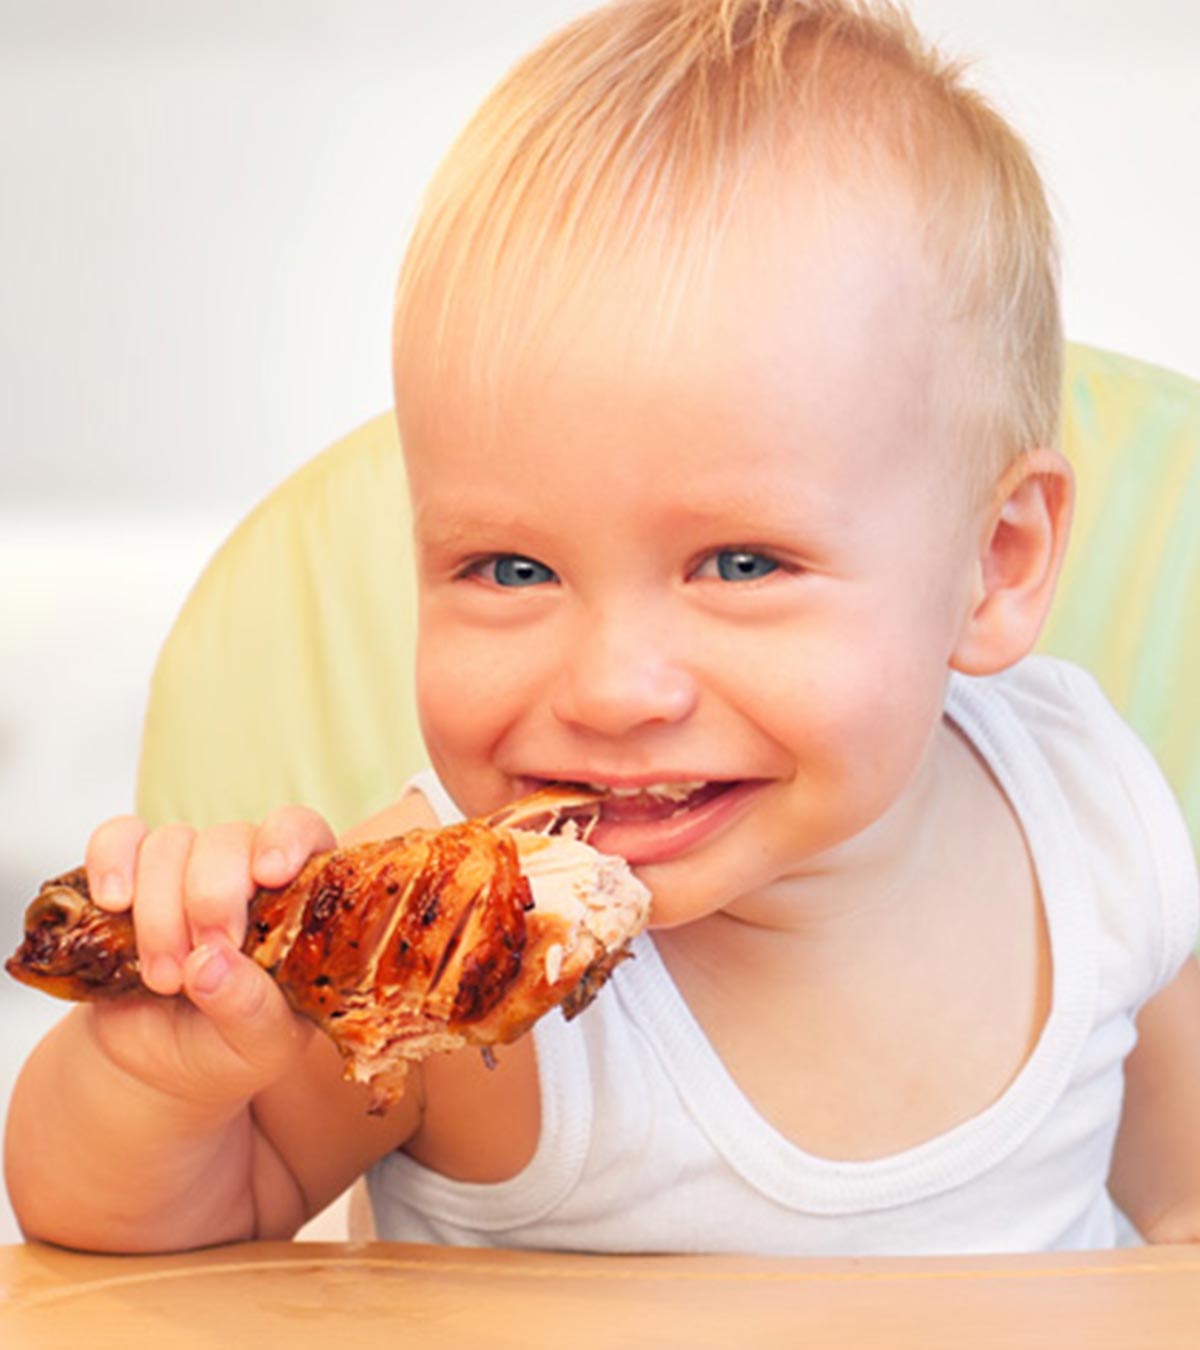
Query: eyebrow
(458,527)
(801,512)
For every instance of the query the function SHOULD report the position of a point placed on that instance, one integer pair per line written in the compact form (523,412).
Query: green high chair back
(288,675)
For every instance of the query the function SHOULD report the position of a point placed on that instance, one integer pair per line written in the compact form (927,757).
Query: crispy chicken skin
(395,948)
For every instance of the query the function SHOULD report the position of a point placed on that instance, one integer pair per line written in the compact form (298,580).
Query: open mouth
(654,801)
(650,822)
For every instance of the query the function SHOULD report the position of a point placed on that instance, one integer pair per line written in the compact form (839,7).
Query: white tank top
(648,1145)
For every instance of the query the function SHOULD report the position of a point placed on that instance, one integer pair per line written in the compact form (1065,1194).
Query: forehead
(802,330)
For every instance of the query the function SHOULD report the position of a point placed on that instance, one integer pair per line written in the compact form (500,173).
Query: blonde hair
(628,134)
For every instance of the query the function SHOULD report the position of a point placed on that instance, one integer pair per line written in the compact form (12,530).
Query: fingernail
(111,889)
(211,971)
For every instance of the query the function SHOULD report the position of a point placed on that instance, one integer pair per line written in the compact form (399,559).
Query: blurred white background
(203,205)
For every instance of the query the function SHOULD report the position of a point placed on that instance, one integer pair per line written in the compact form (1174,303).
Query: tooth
(671,791)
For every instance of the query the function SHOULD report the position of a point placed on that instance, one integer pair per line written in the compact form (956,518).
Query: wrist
(100,1159)
(137,1080)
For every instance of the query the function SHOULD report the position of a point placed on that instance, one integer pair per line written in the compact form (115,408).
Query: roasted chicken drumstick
(398,948)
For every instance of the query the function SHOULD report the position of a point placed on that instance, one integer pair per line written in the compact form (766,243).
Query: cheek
(453,700)
(858,721)
(471,689)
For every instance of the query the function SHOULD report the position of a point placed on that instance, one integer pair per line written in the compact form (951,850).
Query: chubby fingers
(284,841)
(159,916)
(218,884)
(248,1011)
(190,889)
(111,861)
(193,888)
(227,863)
(131,866)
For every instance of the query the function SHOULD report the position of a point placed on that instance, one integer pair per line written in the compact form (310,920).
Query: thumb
(246,1009)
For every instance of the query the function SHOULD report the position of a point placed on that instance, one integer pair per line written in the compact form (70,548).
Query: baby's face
(722,577)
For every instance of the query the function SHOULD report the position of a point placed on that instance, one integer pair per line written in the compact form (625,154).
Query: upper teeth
(669,791)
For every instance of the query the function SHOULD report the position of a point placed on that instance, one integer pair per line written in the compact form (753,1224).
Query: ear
(1020,552)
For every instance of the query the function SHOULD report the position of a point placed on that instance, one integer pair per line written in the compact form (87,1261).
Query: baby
(727,364)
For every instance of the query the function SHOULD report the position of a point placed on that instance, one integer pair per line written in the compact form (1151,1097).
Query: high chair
(288,674)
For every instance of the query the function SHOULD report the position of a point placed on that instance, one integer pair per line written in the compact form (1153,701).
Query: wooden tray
(384,1294)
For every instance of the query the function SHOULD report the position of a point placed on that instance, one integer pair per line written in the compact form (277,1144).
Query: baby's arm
(1156,1167)
(165,1124)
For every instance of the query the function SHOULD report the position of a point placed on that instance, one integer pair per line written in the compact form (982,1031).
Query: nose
(621,673)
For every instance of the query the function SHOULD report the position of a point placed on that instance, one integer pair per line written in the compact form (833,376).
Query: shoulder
(1135,842)
(1049,696)
(1065,713)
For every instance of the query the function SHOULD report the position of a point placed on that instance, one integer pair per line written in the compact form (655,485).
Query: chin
(673,902)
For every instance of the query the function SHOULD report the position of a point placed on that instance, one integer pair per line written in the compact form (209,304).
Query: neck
(870,892)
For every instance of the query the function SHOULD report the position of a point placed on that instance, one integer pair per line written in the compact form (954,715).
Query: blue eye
(737,564)
(514,570)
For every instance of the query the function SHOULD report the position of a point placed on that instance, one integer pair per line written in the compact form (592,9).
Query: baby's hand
(188,891)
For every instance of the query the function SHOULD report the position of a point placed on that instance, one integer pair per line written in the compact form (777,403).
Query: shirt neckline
(780,1170)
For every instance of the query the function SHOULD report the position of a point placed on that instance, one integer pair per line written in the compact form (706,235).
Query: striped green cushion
(1128,607)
